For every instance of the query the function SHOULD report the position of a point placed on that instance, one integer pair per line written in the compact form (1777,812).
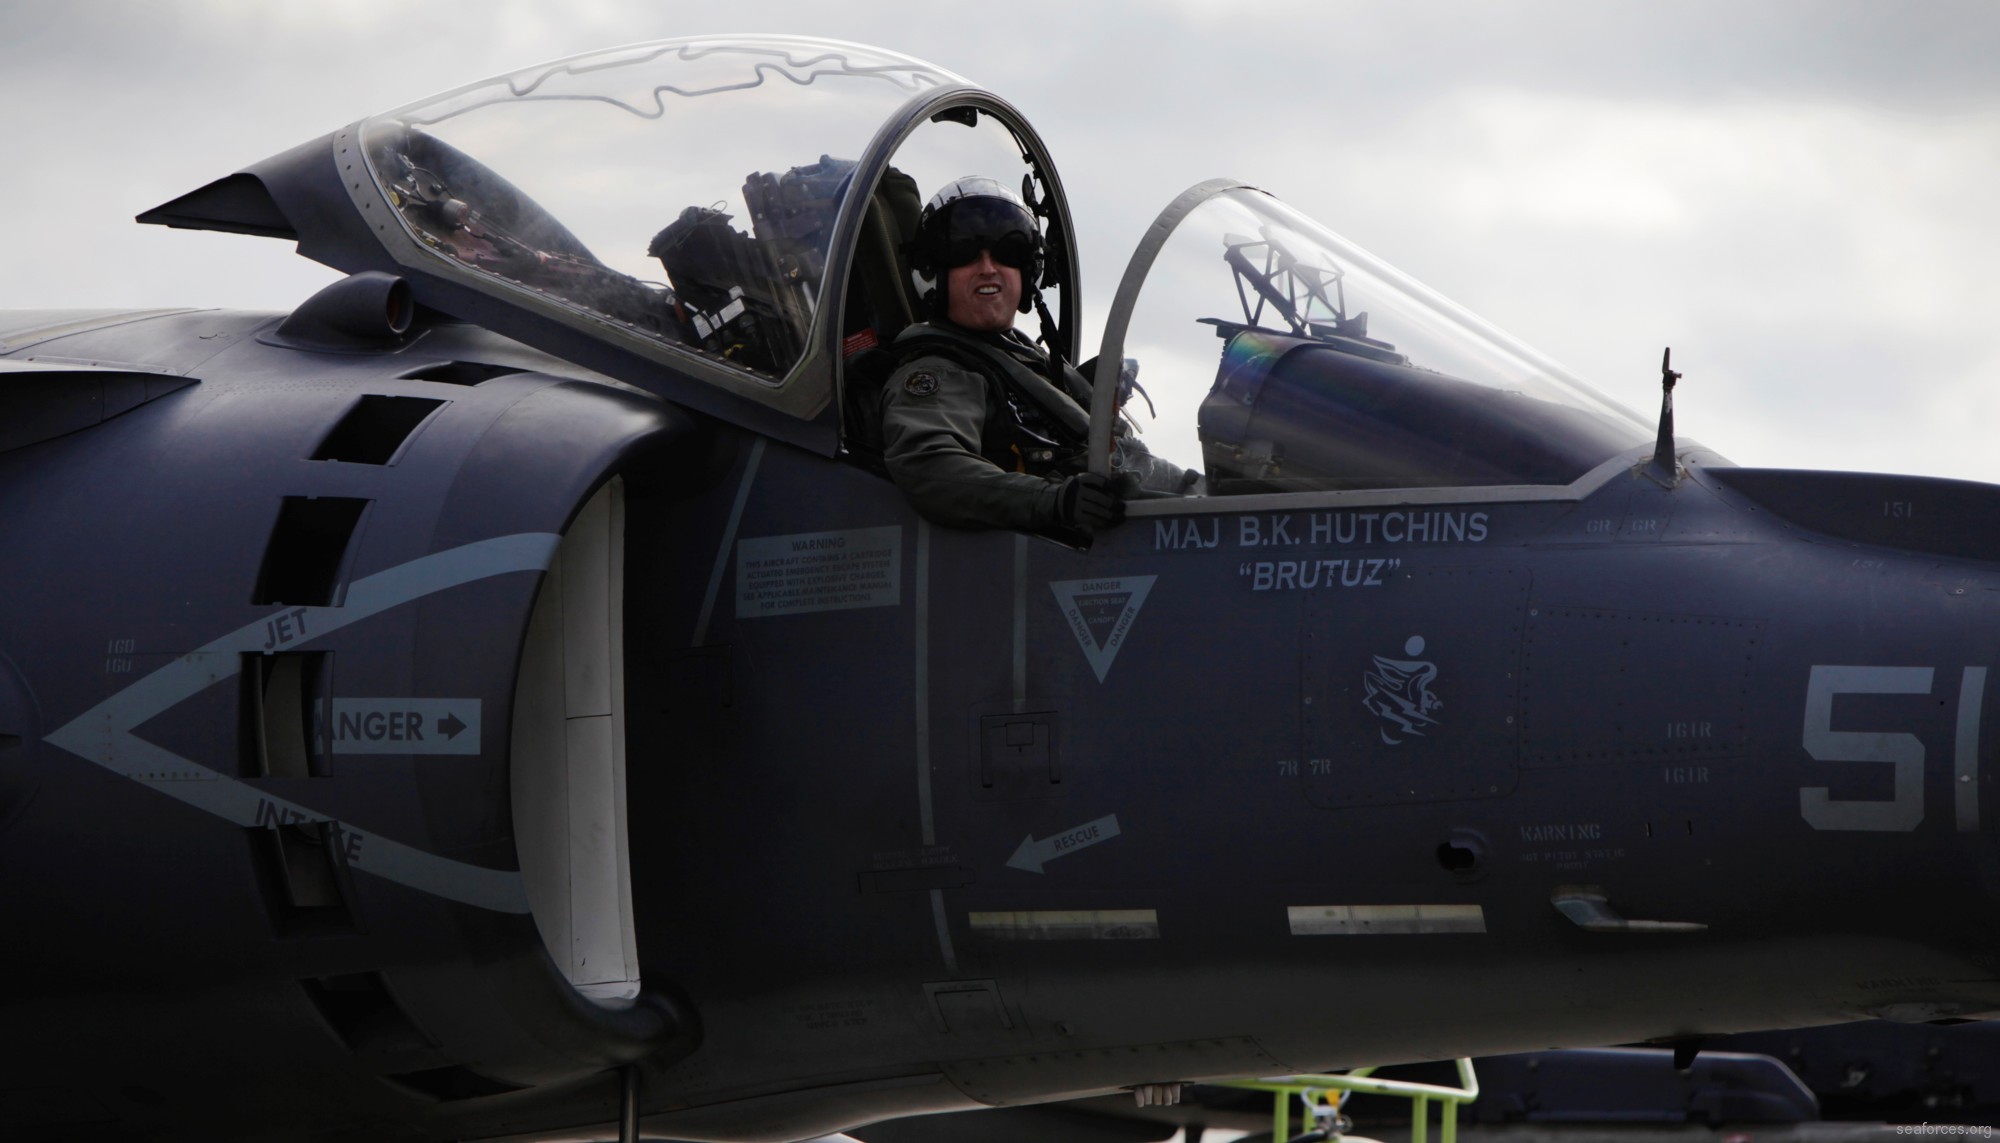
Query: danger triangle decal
(1100,613)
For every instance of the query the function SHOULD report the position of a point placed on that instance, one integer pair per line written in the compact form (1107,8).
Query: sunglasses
(1013,249)
(1004,228)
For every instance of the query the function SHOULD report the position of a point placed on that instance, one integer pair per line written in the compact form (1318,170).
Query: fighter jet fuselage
(413,721)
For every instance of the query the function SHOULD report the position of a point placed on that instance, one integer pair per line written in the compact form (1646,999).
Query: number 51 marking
(1903,751)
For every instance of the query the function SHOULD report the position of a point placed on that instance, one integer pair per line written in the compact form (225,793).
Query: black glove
(1088,503)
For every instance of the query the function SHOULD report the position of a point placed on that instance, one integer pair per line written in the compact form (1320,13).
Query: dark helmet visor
(985,223)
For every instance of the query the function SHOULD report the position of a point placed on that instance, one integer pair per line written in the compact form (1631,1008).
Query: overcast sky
(1799,197)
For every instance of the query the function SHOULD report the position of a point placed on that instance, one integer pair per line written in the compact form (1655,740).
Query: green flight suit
(964,453)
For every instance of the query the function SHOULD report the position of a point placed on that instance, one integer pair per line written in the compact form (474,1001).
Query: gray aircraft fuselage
(409,733)
(893,838)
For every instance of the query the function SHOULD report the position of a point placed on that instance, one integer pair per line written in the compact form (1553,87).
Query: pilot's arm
(1130,458)
(933,421)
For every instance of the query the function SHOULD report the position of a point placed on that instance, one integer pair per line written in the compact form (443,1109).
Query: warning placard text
(819,571)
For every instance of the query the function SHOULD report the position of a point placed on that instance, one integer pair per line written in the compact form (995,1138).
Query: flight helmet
(969,215)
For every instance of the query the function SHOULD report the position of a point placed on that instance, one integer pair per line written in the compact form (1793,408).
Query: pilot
(977,429)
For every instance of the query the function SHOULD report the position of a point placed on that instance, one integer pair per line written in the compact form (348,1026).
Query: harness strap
(1063,411)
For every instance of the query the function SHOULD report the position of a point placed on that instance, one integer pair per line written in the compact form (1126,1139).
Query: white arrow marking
(1032,854)
(104,735)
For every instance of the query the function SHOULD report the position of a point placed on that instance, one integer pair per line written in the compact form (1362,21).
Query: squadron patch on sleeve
(921,384)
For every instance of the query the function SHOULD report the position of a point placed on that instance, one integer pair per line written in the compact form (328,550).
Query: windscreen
(685,191)
(1275,356)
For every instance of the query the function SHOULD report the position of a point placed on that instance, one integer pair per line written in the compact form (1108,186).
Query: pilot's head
(981,245)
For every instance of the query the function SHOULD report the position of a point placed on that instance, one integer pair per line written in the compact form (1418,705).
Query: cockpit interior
(739,210)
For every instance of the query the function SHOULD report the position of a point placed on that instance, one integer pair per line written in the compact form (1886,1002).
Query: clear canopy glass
(685,190)
(1277,356)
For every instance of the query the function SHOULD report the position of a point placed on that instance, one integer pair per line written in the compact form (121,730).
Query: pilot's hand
(1089,503)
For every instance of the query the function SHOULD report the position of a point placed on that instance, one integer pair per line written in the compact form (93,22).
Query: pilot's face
(982,294)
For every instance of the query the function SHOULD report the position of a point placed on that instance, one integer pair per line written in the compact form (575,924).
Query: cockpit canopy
(1279,357)
(726,222)
(686,192)
(702,202)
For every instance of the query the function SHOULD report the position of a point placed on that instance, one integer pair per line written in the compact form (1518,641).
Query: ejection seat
(880,304)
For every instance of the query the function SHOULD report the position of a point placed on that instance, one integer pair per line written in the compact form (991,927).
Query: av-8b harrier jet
(505,697)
